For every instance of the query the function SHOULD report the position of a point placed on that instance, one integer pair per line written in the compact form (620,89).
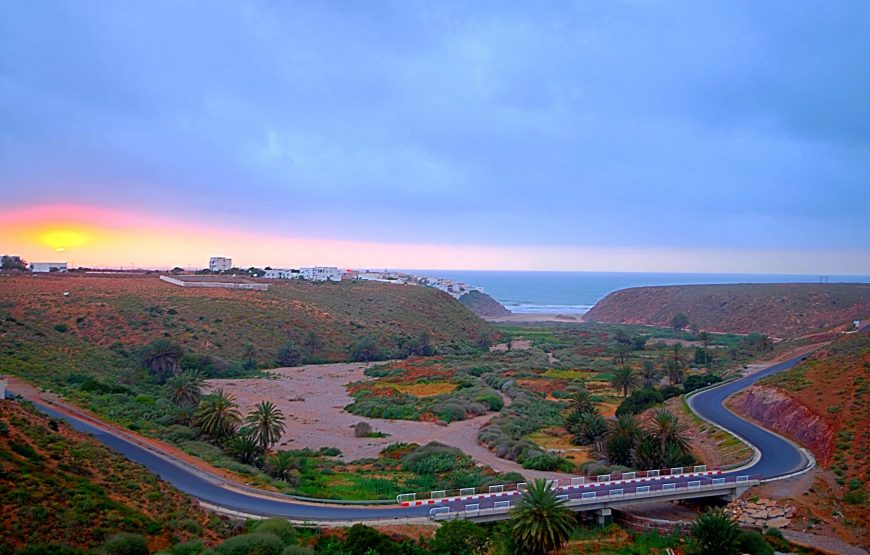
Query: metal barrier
(641,489)
(669,487)
(562,497)
(435,511)
(741,479)
(588,495)
(439,494)
(405,497)
(578,481)
(496,489)
(694,484)
(467,491)
(676,470)
(472,510)
(701,468)
(628,476)
(602,478)
(501,505)
(653,473)
(522,486)
(615,492)
(718,481)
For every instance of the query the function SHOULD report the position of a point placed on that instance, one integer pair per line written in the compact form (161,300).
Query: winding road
(775,457)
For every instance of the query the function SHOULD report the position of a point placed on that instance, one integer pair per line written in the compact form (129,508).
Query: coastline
(528,317)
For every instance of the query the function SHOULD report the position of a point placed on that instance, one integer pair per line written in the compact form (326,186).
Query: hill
(824,404)
(62,487)
(483,305)
(780,310)
(58,324)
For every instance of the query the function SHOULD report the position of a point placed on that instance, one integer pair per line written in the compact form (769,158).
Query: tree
(625,379)
(249,357)
(290,354)
(704,337)
(244,447)
(217,416)
(715,533)
(676,364)
(539,522)
(679,321)
(621,351)
(623,435)
(185,389)
(365,350)
(581,401)
(649,372)
(312,343)
(646,453)
(162,358)
(668,430)
(590,429)
(266,424)
(8,262)
(284,466)
(459,537)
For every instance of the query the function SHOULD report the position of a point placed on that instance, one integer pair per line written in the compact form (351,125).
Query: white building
(220,264)
(44,267)
(279,273)
(321,273)
(3,384)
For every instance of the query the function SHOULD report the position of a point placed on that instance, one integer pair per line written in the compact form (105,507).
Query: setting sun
(63,239)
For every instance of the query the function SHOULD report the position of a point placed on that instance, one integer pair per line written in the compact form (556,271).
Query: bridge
(597,494)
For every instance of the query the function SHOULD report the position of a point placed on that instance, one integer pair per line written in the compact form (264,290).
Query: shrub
(699,381)
(278,526)
(362,540)
(639,401)
(715,533)
(125,544)
(362,429)
(546,461)
(290,354)
(62,328)
(252,544)
(297,550)
(434,458)
(459,537)
(753,542)
(192,547)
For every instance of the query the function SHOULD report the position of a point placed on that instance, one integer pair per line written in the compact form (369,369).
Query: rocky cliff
(776,309)
(483,305)
(787,416)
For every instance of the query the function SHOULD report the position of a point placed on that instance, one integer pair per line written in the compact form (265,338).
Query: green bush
(62,328)
(753,542)
(546,461)
(459,537)
(297,550)
(699,381)
(278,526)
(364,540)
(252,544)
(192,547)
(125,544)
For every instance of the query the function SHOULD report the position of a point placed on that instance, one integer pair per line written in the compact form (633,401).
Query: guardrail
(621,495)
(576,482)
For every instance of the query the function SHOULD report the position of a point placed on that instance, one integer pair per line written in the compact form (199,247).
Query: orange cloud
(97,237)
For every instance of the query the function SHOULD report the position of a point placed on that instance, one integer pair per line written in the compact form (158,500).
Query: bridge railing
(691,487)
(507,490)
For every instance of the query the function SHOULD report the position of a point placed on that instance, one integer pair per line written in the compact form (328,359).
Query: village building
(45,267)
(321,273)
(220,264)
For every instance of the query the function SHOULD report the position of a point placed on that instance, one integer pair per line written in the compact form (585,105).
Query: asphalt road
(778,458)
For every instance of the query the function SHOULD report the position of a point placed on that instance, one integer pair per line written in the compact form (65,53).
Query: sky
(616,136)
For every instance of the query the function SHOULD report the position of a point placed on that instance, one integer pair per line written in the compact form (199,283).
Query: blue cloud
(734,124)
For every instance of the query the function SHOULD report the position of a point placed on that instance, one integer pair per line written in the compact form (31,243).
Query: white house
(321,273)
(220,264)
(3,384)
(44,267)
(279,273)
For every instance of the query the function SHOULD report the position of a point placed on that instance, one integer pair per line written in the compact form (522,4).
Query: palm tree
(625,379)
(667,428)
(185,389)
(540,523)
(283,465)
(581,401)
(649,373)
(162,358)
(590,429)
(266,423)
(715,533)
(244,447)
(704,336)
(217,416)
(623,435)
(645,455)
(676,371)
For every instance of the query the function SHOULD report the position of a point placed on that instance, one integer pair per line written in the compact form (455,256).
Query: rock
(776,512)
(779,522)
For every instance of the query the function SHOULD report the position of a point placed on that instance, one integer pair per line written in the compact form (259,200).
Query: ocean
(576,292)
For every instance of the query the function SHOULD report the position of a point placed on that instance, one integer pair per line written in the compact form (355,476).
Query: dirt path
(313,398)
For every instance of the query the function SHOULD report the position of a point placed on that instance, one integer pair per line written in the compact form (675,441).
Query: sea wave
(535,308)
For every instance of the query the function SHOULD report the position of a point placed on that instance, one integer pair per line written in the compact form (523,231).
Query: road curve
(779,457)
